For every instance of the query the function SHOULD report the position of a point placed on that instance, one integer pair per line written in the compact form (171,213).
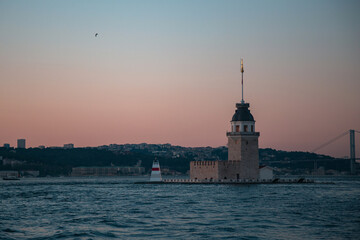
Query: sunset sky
(169,72)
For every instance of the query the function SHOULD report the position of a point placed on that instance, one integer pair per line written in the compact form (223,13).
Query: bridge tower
(352,151)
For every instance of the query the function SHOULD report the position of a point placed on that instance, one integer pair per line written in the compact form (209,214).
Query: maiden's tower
(243,150)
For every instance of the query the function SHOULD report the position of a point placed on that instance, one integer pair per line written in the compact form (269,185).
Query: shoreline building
(243,149)
(21,143)
(68,146)
(107,171)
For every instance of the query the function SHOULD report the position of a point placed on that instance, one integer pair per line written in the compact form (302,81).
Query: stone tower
(243,144)
(243,147)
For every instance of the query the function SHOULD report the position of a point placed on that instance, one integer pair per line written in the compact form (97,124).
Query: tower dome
(242,113)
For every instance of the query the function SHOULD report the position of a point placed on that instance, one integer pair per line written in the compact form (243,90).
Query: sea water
(116,208)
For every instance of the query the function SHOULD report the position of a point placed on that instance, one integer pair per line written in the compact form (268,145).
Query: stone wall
(236,170)
(216,170)
(204,170)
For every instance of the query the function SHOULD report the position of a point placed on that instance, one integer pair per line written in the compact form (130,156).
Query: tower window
(245,128)
(252,128)
(237,128)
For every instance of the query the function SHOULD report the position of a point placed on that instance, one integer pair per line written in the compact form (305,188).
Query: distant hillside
(59,161)
(302,162)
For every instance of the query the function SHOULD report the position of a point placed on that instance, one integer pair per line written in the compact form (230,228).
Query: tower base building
(243,152)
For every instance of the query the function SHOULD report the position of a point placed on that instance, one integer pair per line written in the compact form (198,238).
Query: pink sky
(170,74)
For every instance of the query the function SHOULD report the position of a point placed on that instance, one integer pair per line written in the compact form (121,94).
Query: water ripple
(112,208)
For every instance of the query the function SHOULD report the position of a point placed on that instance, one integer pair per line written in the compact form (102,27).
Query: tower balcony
(242,134)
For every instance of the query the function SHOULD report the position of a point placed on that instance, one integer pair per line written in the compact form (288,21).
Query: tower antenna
(242,81)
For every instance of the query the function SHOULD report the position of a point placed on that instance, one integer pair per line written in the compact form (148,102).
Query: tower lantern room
(242,121)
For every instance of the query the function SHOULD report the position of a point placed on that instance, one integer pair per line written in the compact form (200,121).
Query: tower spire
(242,81)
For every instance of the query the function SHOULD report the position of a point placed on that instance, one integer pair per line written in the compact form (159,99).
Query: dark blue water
(109,208)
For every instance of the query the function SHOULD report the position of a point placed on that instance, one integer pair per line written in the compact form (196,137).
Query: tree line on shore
(59,162)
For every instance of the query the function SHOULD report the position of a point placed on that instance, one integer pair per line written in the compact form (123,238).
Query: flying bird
(96,34)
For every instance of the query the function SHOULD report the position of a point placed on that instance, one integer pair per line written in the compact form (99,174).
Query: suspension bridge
(352,157)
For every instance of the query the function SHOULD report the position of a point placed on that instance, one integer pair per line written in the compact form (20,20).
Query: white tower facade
(155,172)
